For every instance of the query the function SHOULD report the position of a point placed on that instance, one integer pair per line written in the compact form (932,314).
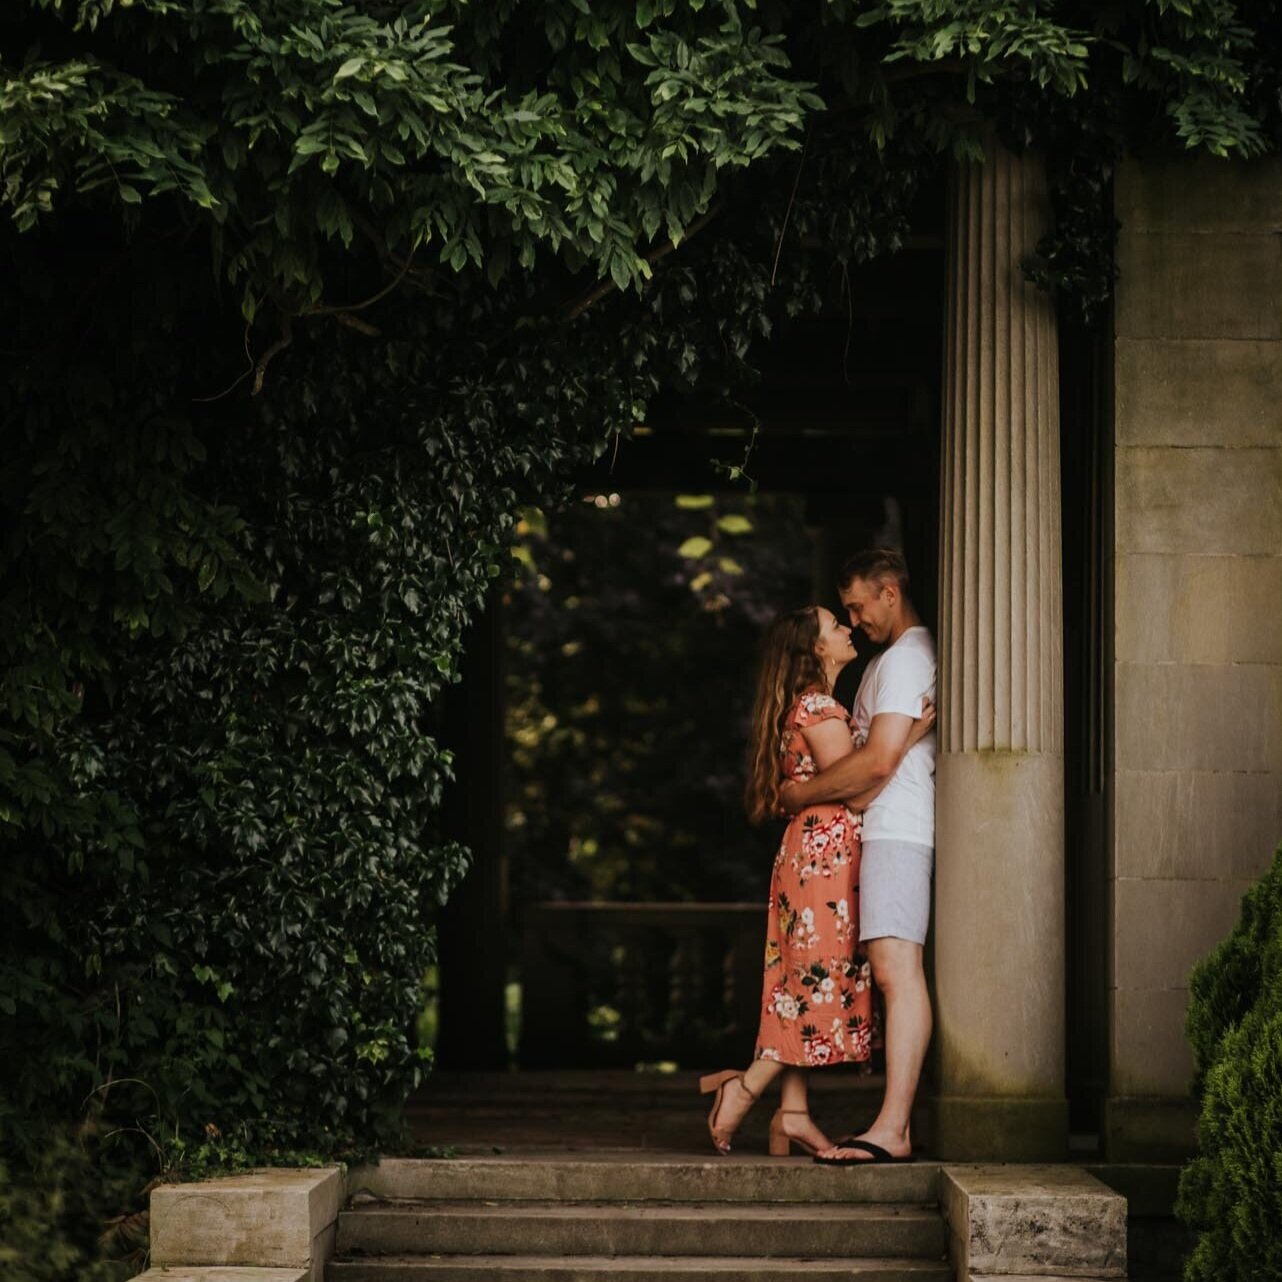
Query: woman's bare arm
(858,787)
(828,741)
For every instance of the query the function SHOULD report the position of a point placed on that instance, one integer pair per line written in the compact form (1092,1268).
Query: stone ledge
(1041,1221)
(221,1273)
(1150,1129)
(268,1219)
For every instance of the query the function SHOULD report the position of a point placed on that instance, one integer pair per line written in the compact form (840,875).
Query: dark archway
(848,417)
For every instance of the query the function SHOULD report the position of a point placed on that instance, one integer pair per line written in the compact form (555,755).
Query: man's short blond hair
(875,565)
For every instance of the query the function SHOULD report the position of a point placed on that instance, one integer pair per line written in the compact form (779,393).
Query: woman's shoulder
(815,705)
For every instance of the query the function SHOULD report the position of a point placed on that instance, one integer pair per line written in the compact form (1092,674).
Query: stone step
(619,1087)
(662,1178)
(220,1273)
(824,1229)
(602,1268)
(575,1110)
(647,1133)
(835,1091)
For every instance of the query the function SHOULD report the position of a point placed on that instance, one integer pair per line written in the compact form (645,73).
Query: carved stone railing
(614,985)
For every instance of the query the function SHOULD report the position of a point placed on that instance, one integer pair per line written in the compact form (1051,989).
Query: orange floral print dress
(817,1000)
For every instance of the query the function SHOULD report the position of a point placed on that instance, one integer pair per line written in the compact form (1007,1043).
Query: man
(898,831)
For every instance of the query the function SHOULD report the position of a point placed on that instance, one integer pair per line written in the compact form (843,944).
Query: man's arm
(860,771)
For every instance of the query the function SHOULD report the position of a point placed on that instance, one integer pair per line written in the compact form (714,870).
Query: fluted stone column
(999,889)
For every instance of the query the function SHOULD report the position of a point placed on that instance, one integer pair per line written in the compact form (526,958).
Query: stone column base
(1149,1129)
(970,1128)
(999,924)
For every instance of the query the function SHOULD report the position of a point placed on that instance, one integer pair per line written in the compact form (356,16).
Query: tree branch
(323,309)
(227,391)
(286,337)
(360,326)
(787,214)
(573,310)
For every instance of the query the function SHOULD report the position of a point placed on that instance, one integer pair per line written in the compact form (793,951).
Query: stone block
(1171,608)
(971,1128)
(1149,1129)
(1000,826)
(1188,392)
(1196,824)
(221,1273)
(1150,1054)
(1199,193)
(1038,1221)
(1198,501)
(1217,717)
(1191,285)
(273,1218)
(1164,927)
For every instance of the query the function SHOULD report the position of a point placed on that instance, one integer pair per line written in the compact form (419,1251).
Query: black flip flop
(877,1156)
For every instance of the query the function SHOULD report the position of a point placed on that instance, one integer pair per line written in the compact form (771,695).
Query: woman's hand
(924,724)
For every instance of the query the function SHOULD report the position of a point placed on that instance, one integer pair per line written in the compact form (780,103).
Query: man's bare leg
(897,967)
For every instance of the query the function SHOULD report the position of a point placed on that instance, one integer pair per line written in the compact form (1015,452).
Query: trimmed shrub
(60,1217)
(1231,1193)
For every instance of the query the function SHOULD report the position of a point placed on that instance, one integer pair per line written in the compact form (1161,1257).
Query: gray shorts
(894,889)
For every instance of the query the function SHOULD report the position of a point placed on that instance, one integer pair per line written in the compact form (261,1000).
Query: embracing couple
(850,892)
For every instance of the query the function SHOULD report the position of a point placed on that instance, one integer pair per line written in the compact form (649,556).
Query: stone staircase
(590,1177)
(629,1216)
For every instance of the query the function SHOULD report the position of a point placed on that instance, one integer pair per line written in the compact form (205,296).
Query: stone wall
(1197,596)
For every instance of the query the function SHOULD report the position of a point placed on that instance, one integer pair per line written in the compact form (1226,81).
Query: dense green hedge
(1231,1193)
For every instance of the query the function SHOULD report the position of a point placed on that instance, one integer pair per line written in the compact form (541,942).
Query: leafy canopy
(491,133)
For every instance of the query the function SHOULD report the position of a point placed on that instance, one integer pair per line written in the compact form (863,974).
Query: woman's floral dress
(817,1001)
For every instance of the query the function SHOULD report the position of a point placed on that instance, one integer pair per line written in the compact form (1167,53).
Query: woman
(817,993)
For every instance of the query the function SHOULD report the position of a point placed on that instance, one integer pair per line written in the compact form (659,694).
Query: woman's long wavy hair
(789,667)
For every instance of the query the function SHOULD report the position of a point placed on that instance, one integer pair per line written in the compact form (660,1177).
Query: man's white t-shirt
(897,680)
